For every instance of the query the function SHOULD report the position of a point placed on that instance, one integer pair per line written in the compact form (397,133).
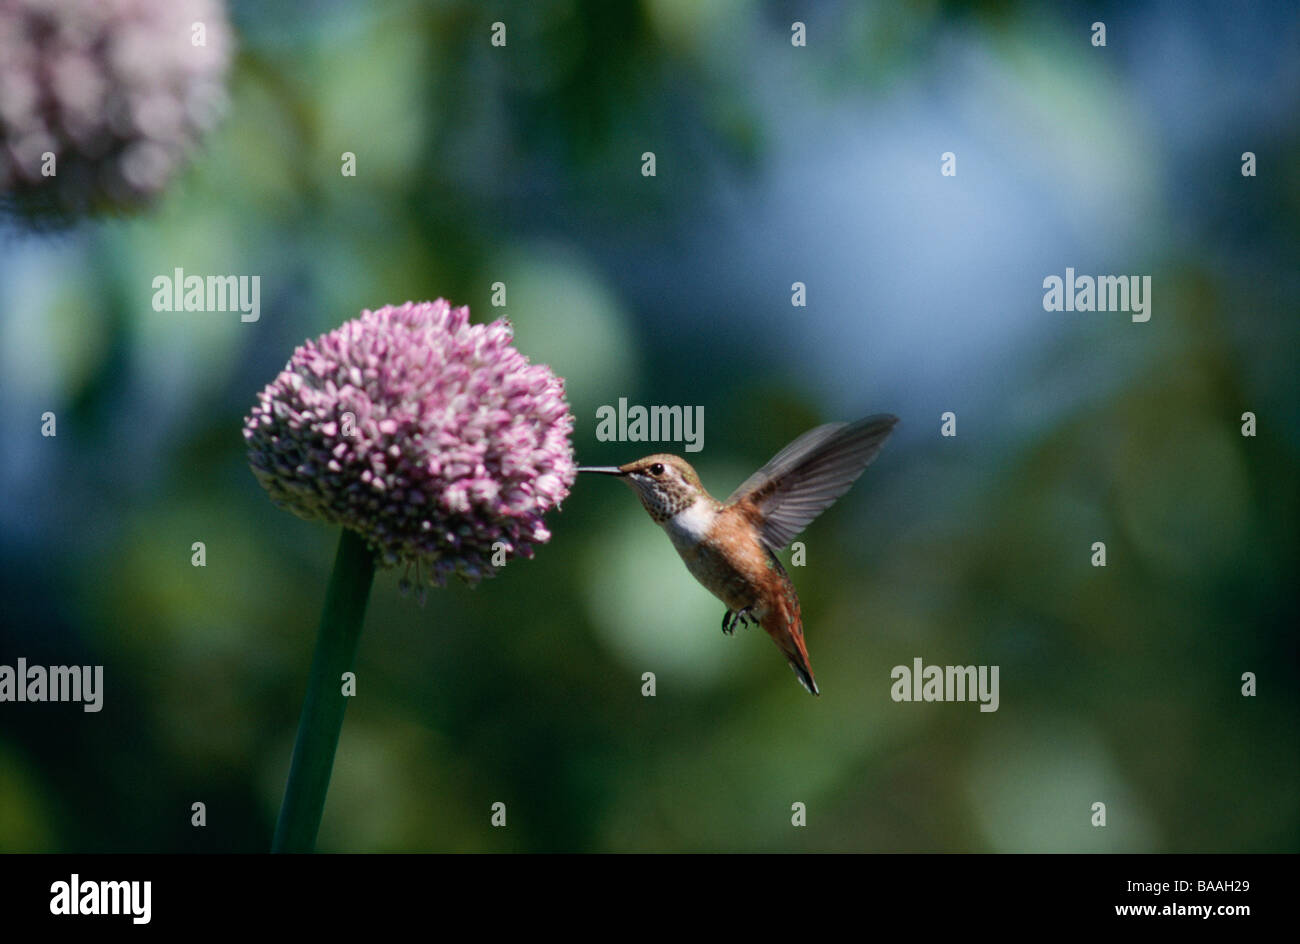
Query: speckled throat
(666,499)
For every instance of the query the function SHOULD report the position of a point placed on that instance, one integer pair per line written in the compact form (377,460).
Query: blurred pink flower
(117,91)
(432,438)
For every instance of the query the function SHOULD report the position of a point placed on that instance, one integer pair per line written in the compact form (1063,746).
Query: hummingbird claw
(733,618)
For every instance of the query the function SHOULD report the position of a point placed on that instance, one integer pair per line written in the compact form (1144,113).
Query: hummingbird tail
(784,623)
(804,674)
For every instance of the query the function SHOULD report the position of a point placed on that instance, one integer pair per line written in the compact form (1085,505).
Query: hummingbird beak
(602,469)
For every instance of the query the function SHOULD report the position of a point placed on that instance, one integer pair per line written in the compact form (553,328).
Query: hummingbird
(730,547)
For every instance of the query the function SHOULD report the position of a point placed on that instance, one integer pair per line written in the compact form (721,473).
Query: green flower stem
(322,710)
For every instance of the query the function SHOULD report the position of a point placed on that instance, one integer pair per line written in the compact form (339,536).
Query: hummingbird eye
(657,469)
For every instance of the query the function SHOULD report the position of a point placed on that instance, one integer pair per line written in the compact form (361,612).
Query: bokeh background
(775,164)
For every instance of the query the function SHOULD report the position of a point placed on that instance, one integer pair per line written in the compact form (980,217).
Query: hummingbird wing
(807,476)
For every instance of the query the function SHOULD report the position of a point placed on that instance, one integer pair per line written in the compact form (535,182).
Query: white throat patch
(690,525)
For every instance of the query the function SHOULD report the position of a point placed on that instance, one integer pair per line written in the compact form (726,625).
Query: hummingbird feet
(733,618)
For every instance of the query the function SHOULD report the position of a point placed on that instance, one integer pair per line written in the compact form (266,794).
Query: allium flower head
(116,90)
(432,438)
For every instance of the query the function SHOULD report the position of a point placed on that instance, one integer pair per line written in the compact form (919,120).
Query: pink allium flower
(116,90)
(432,438)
